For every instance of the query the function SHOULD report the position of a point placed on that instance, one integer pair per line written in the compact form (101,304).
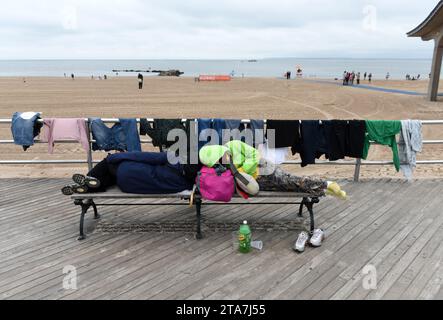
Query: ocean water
(320,68)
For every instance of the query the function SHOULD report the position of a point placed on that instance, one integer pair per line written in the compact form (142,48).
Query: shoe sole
(81,189)
(92,183)
(67,191)
(298,251)
(81,180)
(316,246)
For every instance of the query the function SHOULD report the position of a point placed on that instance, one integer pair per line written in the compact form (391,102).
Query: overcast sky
(211,29)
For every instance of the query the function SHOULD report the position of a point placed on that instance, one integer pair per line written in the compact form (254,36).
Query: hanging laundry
(25,127)
(383,132)
(409,144)
(123,136)
(257,129)
(191,142)
(355,138)
(273,155)
(335,131)
(314,143)
(237,126)
(203,124)
(232,124)
(345,138)
(65,129)
(219,125)
(132,137)
(287,133)
(158,131)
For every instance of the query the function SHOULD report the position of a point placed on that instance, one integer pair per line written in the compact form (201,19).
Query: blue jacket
(148,173)
(24,128)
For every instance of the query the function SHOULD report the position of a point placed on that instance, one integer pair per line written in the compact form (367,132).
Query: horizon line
(211,59)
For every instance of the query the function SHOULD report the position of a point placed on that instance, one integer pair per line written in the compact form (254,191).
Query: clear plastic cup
(257,244)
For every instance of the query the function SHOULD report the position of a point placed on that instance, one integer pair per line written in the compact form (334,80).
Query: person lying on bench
(135,172)
(151,173)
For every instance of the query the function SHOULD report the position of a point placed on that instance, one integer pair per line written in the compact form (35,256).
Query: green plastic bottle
(244,238)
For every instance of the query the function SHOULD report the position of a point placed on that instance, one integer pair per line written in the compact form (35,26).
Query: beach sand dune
(240,98)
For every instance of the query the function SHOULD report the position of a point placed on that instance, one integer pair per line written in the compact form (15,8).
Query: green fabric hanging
(383,132)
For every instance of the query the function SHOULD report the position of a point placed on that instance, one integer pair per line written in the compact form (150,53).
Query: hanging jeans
(123,136)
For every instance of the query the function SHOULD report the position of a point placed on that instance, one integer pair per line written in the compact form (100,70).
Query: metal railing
(357,162)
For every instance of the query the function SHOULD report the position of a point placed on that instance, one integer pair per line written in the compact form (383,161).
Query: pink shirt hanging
(65,129)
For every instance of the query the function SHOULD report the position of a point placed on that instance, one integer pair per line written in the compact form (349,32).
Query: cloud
(211,29)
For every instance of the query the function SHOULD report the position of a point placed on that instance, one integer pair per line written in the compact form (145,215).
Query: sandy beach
(266,98)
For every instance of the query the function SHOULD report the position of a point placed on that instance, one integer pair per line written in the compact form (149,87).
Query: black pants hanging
(104,172)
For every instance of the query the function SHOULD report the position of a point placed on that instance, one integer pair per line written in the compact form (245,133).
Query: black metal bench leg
(85,208)
(85,205)
(96,215)
(198,204)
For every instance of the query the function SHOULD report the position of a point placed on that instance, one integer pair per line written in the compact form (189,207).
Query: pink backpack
(215,184)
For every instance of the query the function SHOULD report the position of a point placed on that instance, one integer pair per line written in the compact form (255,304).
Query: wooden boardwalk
(149,252)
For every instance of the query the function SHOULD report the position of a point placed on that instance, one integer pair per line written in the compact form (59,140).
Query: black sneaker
(74,188)
(83,180)
(68,190)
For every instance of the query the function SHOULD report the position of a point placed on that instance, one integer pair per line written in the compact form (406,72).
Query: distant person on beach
(358,77)
(418,77)
(288,75)
(72,76)
(370,77)
(387,76)
(364,76)
(105,77)
(140,81)
(345,74)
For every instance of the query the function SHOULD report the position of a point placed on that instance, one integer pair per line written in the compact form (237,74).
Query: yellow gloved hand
(334,189)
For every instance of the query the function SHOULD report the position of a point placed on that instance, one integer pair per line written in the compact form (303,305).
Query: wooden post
(435,71)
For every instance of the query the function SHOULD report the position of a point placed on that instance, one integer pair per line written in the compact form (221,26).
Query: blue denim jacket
(123,136)
(24,130)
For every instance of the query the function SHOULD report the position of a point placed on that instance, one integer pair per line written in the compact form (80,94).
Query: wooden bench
(88,200)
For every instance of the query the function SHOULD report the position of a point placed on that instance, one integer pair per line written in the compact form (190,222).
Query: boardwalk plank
(391,224)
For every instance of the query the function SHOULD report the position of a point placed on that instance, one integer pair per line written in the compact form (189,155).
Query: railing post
(89,154)
(357,169)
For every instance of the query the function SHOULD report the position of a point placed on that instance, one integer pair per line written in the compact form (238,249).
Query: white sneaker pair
(316,239)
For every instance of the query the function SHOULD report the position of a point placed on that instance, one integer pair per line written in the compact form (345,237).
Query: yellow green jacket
(244,157)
